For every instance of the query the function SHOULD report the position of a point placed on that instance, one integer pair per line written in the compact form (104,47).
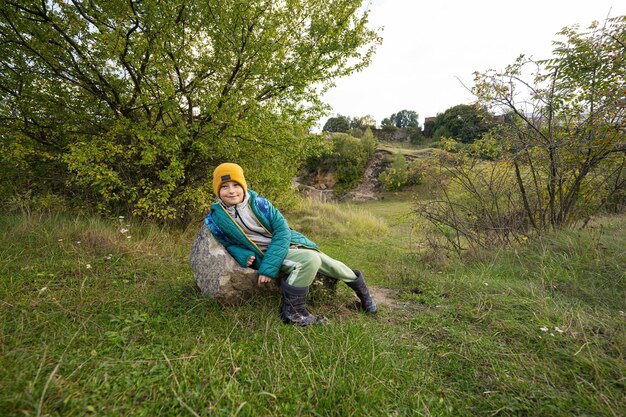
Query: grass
(405,148)
(113,326)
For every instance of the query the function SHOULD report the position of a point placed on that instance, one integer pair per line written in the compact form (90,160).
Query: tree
(387,124)
(404,119)
(429,128)
(560,154)
(463,122)
(568,129)
(363,122)
(345,157)
(396,176)
(337,124)
(368,143)
(129,104)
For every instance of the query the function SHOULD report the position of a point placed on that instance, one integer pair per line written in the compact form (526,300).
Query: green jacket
(229,233)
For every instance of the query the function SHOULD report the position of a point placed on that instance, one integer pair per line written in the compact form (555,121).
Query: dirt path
(384,297)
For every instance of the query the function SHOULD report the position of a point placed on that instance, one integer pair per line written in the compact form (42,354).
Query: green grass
(405,148)
(129,334)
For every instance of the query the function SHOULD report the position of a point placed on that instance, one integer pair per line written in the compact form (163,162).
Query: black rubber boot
(359,287)
(293,308)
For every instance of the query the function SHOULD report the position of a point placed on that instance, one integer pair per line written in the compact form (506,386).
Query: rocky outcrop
(221,278)
(218,275)
(370,182)
(325,196)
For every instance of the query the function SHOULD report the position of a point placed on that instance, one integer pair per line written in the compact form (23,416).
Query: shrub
(479,204)
(449,144)
(488,147)
(416,137)
(396,176)
(345,156)
(368,143)
(414,174)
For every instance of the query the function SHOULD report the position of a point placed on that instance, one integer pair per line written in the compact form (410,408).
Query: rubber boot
(359,287)
(293,308)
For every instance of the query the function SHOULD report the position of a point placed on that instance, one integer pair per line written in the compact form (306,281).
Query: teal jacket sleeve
(241,255)
(277,251)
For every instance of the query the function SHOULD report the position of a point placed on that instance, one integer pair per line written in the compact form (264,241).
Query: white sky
(428,44)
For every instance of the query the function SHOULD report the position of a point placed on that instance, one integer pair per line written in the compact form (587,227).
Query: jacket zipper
(257,220)
(242,231)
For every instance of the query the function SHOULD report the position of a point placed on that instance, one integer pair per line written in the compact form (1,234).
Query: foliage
(363,122)
(449,144)
(387,123)
(337,124)
(429,128)
(478,204)
(465,123)
(416,136)
(561,154)
(415,173)
(488,147)
(368,143)
(130,104)
(346,157)
(567,135)
(396,176)
(404,119)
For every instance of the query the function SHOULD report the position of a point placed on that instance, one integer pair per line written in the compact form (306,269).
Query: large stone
(221,278)
(218,275)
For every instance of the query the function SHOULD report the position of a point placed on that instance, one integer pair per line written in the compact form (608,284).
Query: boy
(257,235)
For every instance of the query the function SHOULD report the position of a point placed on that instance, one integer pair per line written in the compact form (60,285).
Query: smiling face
(231,193)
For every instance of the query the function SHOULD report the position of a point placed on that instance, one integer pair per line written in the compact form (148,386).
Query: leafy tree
(561,150)
(416,136)
(368,143)
(130,104)
(464,122)
(387,125)
(404,119)
(429,128)
(337,124)
(363,122)
(569,132)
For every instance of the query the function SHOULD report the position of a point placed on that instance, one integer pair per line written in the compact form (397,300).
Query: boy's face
(231,193)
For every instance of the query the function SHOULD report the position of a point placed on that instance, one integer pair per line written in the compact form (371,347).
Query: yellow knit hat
(228,172)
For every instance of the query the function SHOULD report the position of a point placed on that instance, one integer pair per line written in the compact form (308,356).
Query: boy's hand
(251,260)
(264,279)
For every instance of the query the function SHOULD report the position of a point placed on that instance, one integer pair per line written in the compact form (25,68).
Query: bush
(450,144)
(488,147)
(479,205)
(368,142)
(345,156)
(416,137)
(415,174)
(396,176)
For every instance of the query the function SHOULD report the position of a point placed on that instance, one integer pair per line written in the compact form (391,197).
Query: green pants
(303,264)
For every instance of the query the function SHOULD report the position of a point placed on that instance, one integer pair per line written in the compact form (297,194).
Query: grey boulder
(221,278)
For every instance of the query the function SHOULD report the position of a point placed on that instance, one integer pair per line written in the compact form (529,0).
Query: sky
(431,49)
